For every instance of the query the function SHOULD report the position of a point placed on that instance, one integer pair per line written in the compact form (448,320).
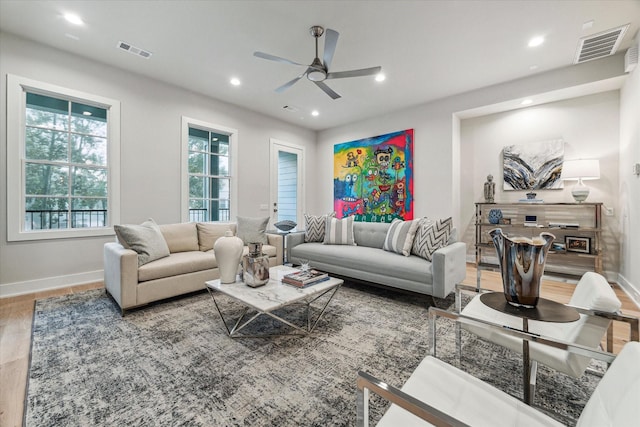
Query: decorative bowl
(285,225)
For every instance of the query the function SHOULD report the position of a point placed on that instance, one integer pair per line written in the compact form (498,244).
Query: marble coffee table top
(274,294)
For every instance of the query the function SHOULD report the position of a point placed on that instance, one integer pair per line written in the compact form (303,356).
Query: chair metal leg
(532,379)
(362,407)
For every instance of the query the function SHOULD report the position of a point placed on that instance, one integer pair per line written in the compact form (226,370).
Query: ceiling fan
(318,71)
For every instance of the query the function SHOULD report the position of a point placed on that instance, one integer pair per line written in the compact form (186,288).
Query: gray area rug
(173,364)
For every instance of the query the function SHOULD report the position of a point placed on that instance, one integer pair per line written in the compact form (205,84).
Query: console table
(568,222)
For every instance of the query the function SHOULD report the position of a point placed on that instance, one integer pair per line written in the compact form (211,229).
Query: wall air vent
(599,45)
(134,50)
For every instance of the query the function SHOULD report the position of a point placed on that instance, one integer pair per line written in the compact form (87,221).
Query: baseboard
(49,283)
(629,289)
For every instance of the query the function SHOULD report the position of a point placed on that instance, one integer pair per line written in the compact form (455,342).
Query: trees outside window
(63,150)
(209,164)
(209,178)
(65,164)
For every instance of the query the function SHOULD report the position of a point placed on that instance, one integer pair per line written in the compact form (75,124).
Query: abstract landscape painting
(534,166)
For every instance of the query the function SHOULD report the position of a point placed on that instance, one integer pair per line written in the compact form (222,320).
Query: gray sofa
(367,261)
(190,263)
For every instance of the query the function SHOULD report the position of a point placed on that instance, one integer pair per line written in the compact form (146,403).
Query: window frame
(188,122)
(17,88)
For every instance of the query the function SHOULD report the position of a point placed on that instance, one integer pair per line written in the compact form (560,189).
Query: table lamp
(581,169)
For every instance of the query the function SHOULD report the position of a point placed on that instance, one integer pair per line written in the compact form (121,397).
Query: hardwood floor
(16,314)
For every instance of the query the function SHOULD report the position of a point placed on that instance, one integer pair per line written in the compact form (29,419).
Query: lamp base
(580,192)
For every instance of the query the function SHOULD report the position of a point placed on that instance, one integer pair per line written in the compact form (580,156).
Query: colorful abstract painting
(373,178)
(534,166)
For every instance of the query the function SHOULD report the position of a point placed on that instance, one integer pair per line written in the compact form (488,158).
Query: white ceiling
(427,49)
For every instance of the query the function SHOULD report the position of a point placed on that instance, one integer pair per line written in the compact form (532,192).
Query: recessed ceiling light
(86,113)
(73,19)
(380,77)
(588,24)
(536,41)
(235,81)
(315,113)
(533,67)
(526,102)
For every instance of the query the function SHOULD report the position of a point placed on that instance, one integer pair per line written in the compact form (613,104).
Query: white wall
(150,156)
(436,151)
(629,183)
(589,125)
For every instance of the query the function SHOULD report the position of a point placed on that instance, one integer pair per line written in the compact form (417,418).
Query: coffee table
(270,297)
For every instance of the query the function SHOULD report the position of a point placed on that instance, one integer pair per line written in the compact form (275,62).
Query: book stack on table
(303,279)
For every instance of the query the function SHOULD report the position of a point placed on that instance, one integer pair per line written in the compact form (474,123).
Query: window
(63,182)
(208,182)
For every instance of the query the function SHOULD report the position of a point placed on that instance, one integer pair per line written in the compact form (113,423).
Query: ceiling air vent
(599,45)
(134,50)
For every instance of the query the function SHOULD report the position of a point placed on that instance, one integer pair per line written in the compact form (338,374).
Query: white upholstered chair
(593,298)
(442,395)
(591,293)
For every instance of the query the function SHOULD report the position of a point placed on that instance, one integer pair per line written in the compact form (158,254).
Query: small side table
(545,311)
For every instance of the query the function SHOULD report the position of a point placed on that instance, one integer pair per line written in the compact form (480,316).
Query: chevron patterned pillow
(431,236)
(314,227)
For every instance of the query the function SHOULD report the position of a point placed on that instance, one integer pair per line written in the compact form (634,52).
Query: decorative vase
(495,215)
(255,266)
(228,252)
(522,263)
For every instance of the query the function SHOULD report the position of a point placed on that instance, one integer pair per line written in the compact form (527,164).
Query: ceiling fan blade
(275,58)
(330,42)
(288,84)
(327,90)
(354,73)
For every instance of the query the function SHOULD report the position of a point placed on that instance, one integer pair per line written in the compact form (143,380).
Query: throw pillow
(182,237)
(146,239)
(209,232)
(252,230)
(400,236)
(431,236)
(314,227)
(339,231)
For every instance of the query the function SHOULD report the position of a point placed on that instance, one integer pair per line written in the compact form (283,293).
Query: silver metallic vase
(255,266)
(522,265)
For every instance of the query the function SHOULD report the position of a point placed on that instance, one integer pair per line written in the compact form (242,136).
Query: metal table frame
(310,325)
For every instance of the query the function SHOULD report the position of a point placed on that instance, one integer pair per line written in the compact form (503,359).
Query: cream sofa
(190,263)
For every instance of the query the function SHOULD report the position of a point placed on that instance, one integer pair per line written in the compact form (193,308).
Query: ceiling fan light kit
(318,71)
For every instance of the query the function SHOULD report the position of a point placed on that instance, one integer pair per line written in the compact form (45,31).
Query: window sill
(59,234)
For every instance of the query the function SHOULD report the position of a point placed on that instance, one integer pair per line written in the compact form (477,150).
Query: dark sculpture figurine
(489,189)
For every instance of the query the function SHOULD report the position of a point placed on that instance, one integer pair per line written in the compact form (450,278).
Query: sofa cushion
(314,227)
(146,239)
(209,232)
(361,258)
(176,264)
(339,231)
(431,236)
(252,230)
(370,234)
(180,237)
(400,236)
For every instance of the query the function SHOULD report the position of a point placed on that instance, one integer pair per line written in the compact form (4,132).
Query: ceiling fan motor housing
(316,73)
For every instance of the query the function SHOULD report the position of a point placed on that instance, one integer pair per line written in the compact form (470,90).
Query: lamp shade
(581,168)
